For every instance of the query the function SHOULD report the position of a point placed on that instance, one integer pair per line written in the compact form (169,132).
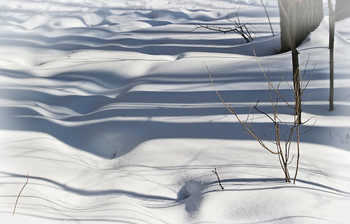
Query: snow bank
(108,107)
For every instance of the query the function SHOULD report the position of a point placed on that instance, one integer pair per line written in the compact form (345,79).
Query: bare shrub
(241,29)
(286,132)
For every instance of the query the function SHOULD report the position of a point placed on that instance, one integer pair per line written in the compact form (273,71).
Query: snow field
(108,107)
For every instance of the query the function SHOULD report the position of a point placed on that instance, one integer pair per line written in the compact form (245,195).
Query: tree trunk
(307,14)
(331,54)
(298,18)
(342,9)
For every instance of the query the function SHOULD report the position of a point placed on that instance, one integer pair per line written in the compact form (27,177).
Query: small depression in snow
(190,188)
(191,195)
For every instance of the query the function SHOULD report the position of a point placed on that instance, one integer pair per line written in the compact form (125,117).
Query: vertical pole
(331,54)
(295,60)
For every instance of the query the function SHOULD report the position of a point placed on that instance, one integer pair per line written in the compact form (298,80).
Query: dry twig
(268,17)
(18,196)
(217,175)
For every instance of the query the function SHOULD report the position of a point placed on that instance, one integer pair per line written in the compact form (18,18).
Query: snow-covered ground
(107,106)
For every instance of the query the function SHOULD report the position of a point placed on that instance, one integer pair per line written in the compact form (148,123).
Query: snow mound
(35,21)
(107,107)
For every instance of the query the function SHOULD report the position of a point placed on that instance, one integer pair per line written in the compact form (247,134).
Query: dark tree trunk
(332,18)
(307,15)
(342,9)
(297,19)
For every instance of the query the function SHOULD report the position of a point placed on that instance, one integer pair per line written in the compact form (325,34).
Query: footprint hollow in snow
(190,188)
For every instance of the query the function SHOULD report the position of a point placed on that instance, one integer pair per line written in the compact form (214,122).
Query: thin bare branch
(298,153)
(267,79)
(268,17)
(19,195)
(260,141)
(262,112)
(240,29)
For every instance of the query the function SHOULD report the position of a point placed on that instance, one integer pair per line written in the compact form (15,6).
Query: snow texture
(108,107)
